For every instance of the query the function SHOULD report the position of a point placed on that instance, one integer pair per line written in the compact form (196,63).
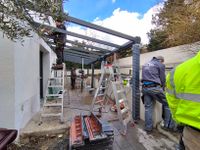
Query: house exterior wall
(20,79)
(27,81)
(6,83)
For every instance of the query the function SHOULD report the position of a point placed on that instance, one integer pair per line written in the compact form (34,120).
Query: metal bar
(136,82)
(88,46)
(95,49)
(99,28)
(123,47)
(36,24)
(92,78)
(75,55)
(82,63)
(81,53)
(78,54)
(83,50)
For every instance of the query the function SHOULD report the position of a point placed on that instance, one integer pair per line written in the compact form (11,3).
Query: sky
(132,17)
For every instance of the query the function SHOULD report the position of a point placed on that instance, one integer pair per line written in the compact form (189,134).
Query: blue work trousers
(150,94)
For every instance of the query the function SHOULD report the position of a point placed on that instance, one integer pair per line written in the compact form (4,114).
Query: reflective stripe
(172,81)
(185,96)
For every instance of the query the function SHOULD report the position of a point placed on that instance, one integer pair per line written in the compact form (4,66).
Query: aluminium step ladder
(114,82)
(53,101)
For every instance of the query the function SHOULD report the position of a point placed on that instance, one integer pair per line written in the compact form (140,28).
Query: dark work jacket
(60,38)
(154,71)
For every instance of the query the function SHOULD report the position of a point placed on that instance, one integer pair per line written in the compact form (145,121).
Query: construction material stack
(111,79)
(53,101)
(89,132)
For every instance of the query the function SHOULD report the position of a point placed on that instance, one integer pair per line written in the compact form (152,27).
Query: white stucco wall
(20,79)
(26,72)
(6,83)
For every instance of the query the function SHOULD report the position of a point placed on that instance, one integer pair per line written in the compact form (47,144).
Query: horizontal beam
(99,28)
(80,53)
(77,35)
(83,50)
(88,46)
(123,47)
(76,55)
(76,59)
(98,50)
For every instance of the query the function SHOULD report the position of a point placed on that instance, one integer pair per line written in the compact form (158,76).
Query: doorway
(41,74)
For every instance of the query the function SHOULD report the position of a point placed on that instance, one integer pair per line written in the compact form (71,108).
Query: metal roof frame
(95,52)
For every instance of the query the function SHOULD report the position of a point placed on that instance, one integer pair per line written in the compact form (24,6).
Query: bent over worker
(183,96)
(153,80)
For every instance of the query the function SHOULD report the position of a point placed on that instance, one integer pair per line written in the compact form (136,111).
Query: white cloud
(131,23)
(113,1)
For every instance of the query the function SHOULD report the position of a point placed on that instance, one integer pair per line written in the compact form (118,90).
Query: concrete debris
(151,143)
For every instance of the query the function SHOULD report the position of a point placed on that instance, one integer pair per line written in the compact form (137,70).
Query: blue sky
(132,17)
(90,9)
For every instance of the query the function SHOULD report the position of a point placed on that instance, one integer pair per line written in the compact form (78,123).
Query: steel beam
(36,24)
(99,28)
(101,52)
(75,55)
(80,54)
(83,50)
(88,46)
(80,51)
(92,78)
(123,47)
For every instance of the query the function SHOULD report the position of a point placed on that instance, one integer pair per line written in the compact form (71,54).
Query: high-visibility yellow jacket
(183,92)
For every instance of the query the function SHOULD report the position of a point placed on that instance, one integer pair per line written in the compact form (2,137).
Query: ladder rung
(56,86)
(100,95)
(53,104)
(120,91)
(116,73)
(117,82)
(53,95)
(124,110)
(102,88)
(51,115)
(55,78)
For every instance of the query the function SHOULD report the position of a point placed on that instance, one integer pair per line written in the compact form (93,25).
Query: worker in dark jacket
(153,81)
(59,40)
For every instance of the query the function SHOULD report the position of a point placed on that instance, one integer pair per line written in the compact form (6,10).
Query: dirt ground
(47,142)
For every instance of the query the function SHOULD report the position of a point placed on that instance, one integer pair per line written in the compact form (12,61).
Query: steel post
(136,82)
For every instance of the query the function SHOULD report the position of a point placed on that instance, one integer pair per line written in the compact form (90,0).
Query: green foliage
(16,15)
(157,40)
(178,22)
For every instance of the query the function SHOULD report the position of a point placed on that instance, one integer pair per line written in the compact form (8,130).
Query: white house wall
(20,79)
(27,80)
(6,83)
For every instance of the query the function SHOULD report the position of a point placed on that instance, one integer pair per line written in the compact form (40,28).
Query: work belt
(150,85)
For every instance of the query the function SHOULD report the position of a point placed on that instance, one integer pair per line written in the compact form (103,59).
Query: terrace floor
(77,102)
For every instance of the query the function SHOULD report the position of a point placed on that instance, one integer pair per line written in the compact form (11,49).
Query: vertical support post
(88,71)
(136,82)
(82,63)
(92,77)
(115,58)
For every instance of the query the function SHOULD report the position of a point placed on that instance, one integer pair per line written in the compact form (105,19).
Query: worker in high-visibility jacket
(183,97)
